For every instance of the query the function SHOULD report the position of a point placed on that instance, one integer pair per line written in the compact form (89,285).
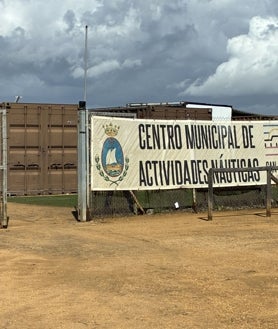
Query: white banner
(133,154)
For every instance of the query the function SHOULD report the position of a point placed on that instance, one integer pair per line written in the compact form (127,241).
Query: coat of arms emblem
(112,165)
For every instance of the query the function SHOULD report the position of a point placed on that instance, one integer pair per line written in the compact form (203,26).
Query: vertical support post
(88,150)
(268,193)
(194,200)
(210,193)
(88,192)
(82,163)
(4,223)
(85,63)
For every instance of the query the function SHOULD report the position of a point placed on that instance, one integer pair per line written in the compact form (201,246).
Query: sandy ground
(160,271)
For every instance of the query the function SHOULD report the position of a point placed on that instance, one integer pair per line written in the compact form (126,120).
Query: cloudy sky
(212,51)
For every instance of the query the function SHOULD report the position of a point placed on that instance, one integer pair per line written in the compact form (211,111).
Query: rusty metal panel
(175,113)
(42,148)
(166,112)
(199,113)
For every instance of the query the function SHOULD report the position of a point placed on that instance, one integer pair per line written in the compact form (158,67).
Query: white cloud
(106,67)
(97,70)
(130,63)
(252,67)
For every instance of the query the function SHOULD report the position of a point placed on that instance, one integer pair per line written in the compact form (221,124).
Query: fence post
(82,162)
(268,192)
(210,193)
(4,223)
(194,200)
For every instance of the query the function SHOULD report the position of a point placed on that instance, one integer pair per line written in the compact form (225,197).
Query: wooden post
(137,202)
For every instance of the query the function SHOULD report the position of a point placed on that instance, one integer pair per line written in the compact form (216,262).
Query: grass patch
(65,200)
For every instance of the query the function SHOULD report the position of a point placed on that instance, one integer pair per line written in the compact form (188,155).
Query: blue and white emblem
(112,165)
(112,157)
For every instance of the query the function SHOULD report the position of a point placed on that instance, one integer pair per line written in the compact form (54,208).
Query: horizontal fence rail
(268,169)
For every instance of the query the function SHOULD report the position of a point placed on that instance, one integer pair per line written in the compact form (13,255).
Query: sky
(140,51)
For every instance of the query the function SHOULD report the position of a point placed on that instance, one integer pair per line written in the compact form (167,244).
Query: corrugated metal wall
(174,113)
(42,148)
(164,112)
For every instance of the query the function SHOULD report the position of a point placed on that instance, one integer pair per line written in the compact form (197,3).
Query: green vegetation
(65,200)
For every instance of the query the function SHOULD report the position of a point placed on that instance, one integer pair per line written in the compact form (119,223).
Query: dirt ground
(159,271)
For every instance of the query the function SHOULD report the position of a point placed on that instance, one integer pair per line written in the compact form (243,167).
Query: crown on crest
(111,130)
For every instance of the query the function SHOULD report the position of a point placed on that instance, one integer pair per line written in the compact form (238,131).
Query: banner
(134,154)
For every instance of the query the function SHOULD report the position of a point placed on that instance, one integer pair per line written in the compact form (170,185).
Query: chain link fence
(121,203)
(118,203)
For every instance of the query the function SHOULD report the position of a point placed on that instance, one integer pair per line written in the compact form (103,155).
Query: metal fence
(118,202)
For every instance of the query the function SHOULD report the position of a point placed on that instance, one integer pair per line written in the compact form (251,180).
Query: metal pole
(88,193)
(194,200)
(268,193)
(85,63)
(83,145)
(82,163)
(210,193)
(4,223)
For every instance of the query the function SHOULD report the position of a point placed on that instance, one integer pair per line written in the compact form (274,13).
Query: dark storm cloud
(141,51)
(70,20)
